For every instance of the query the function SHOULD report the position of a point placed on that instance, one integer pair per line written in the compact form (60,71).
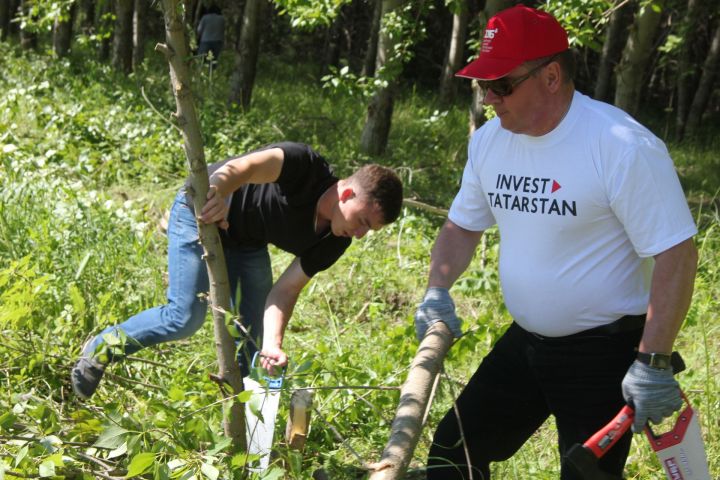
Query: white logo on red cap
(490,33)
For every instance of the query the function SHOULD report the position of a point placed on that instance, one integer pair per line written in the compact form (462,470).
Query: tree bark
(639,47)
(176,52)
(705,86)
(4,19)
(414,403)
(615,37)
(87,16)
(28,38)
(246,54)
(368,69)
(333,38)
(686,70)
(139,24)
(104,25)
(123,36)
(374,138)
(62,31)
(455,54)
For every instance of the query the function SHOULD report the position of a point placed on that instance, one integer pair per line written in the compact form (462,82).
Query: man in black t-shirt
(284,194)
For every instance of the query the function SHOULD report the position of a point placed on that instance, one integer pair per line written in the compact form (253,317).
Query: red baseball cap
(514,36)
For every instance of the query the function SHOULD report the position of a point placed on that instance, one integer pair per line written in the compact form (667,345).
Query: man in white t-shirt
(597,262)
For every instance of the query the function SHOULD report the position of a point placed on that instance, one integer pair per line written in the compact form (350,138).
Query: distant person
(211,33)
(284,194)
(597,261)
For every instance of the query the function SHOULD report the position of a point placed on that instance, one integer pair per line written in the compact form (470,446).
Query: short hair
(566,60)
(383,187)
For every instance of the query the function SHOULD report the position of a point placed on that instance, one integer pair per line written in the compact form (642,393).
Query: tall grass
(87,169)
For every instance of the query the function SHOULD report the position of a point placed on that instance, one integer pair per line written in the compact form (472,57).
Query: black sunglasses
(503,87)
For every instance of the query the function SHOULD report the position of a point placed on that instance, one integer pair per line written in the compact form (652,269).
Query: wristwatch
(661,361)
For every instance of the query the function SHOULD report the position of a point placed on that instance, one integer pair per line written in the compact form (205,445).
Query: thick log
(414,402)
(177,54)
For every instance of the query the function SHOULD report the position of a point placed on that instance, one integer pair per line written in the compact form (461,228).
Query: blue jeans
(184,312)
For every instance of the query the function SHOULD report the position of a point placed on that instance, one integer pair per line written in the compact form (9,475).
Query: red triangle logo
(556,186)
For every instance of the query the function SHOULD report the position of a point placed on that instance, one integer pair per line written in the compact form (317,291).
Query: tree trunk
(333,37)
(631,71)
(705,87)
(28,38)
(246,54)
(477,114)
(62,31)
(374,138)
(4,19)
(368,69)
(414,403)
(615,37)
(123,36)
(104,25)
(139,24)
(455,54)
(686,69)
(87,16)
(176,52)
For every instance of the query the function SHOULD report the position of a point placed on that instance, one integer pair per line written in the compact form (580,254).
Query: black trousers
(525,379)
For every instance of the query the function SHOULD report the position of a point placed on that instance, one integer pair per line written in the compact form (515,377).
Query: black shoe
(86,376)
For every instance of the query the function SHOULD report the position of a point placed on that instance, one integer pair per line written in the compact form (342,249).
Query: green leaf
(244,396)
(274,473)
(140,464)
(7,420)
(111,437)
(209,471)
(47,469)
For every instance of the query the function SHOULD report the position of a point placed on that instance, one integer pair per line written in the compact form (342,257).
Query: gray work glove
(653,393)
(436,306)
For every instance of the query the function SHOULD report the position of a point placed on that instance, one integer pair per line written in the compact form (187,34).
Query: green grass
(87,170)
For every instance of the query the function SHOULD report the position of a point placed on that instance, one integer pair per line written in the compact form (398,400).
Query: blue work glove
(436,306)
(652,392)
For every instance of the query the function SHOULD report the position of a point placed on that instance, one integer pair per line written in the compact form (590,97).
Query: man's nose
(491,98)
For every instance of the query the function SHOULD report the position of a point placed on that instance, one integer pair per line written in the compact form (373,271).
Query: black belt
(628,323)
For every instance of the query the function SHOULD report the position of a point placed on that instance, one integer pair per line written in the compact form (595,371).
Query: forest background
(89,163)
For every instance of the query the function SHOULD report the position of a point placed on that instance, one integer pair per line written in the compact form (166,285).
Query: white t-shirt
(580,210)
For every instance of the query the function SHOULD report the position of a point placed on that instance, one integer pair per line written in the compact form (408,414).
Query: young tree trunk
(705,87)
(4,19)
(414,403)
(176,52)
(374,138)
(454,56)
(62,31)
(139,24)
(123,36)
(631,72)
(104,25)
(28,38)
(246,54)
(368,69)
(333,38)
(477,114)
(686,67)
(615,37)
(87,16)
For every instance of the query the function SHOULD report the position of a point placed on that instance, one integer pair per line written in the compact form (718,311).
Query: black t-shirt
(283,213)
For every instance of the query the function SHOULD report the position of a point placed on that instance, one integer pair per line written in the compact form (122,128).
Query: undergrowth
(88,167)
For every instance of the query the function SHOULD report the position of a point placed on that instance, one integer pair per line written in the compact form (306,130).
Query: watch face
(655,360)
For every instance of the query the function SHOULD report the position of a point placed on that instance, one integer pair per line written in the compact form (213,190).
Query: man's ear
(347,194)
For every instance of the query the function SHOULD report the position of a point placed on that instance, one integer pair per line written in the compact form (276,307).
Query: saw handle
(607,436)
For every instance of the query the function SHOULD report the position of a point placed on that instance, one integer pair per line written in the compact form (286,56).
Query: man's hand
(270,358)
(437,306)
(216,208)
(652,392)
